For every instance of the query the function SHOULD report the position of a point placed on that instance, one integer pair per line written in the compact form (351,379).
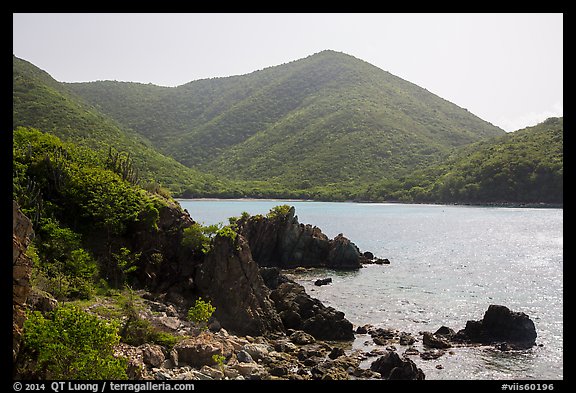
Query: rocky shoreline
(293,355)
(265,326)
(298,355)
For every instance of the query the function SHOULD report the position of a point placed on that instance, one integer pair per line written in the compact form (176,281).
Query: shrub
(71,344)
(278,212)
(198,237)
(123,264)
(194,238)
(201,312)
(219,360)
(227,231)
(136,330)
(63,267)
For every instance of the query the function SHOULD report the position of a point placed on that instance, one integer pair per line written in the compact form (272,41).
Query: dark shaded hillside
(328,118)
(43,103)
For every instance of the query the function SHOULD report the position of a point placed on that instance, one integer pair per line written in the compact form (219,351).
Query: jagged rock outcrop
(230,278)
(165,265)
(283,242)
(500,325)
(300,311)
(22,235)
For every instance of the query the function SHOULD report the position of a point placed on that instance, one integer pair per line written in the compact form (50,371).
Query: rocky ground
(214,353)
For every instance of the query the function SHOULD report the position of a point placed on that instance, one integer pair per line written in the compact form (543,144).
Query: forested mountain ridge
(328,128)
(328,118)
(41,102)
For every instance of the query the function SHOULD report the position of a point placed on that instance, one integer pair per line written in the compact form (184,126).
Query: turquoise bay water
(448,264)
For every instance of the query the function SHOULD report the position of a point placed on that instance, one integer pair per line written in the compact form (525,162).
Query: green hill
(329,118)
(41,102)
(328,127)
(525,166)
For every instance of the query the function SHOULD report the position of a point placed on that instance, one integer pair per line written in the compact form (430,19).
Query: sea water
(448,264)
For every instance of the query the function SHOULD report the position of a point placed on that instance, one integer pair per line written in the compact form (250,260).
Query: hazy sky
(505,68)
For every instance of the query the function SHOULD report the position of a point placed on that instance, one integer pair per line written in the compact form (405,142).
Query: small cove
(448,264)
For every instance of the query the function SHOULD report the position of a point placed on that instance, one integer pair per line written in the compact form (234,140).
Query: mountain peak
(307,119)
(327,118)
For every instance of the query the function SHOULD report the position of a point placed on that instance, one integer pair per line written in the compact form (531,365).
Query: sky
(506,68)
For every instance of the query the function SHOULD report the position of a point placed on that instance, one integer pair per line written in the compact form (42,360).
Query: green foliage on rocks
(278,212)
(227,231)
(136,330)
(79,207)
(198,237)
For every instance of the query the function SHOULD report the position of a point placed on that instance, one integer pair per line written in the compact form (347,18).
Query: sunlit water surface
(448,264)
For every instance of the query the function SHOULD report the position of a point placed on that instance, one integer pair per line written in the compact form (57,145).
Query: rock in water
(283,242)
(391,366)
(435,341)
(500,324)
(300,311)
(322,281)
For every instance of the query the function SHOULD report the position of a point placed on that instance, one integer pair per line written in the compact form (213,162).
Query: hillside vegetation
(328,118)
(525,166)
(41,102)
(327,127)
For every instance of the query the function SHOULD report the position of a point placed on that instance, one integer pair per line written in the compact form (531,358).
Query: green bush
(198,237)
(136,330)
(201,312)
(124,263)
(71,344)
(63,267)
(278,212)
(227,231)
